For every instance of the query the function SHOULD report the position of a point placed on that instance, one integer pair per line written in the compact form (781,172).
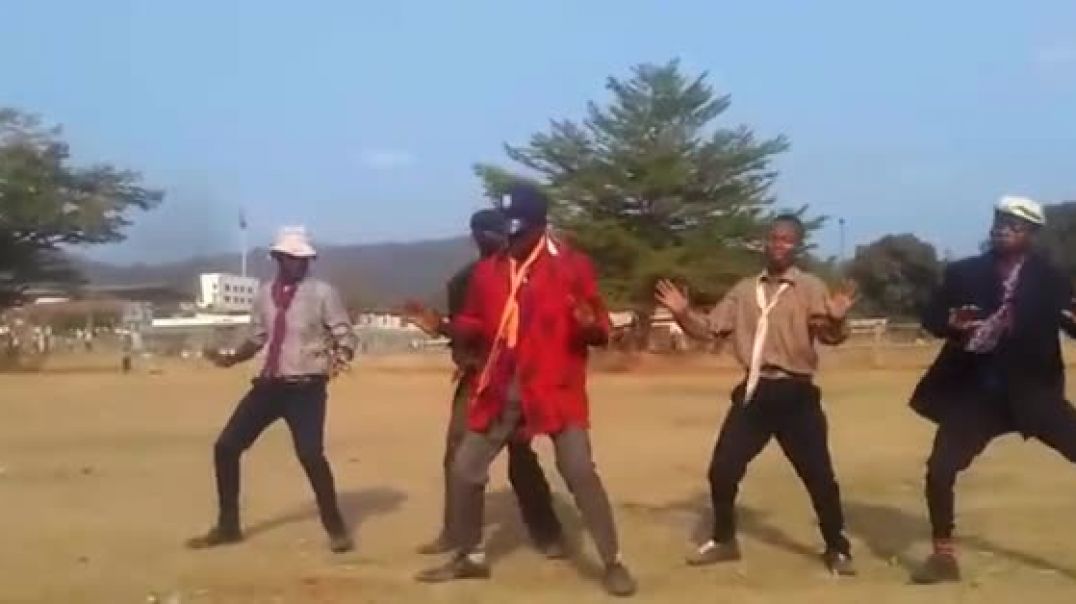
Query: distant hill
(370,275)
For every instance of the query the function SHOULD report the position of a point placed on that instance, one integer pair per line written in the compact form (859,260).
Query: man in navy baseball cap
(526,207)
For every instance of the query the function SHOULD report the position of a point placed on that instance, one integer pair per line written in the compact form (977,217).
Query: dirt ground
(102,477)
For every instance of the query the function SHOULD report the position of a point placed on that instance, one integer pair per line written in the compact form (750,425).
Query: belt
(772,372)
(292,380)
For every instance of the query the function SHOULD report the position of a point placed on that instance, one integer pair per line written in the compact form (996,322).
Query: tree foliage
(46,204)
(895,274)
(649,186)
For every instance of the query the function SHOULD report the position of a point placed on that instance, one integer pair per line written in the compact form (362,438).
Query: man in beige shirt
(773,320)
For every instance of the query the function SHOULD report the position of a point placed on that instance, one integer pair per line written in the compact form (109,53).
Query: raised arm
(715,325)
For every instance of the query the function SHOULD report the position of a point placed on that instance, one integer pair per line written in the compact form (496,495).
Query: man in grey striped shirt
(307,336)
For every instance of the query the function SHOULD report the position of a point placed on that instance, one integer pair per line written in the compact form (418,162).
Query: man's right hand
(964,318)
(671,297)
(219,357)
(426,319)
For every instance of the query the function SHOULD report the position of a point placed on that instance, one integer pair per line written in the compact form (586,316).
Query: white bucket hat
(293,241)
(1022,208)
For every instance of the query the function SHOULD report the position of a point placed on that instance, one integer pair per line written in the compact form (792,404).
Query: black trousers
(966,430)
(302,406)
(790,411)
(524,474)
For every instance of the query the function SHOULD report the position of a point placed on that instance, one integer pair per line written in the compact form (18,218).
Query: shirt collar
(791,276)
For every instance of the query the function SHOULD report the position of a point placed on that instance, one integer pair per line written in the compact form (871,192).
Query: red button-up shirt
(550,358)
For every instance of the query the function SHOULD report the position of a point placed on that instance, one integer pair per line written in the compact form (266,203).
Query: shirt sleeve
(935,317)
(721,320)
(337,321)
(258,335)
(599,334)
(467,324)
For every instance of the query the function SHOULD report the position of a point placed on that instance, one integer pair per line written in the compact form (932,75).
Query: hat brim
(295,252)
(1024,215)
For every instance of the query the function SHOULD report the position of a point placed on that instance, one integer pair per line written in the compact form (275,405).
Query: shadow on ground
(356,506)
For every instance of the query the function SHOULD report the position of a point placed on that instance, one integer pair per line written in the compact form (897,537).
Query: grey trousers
(524,474)
(470,473)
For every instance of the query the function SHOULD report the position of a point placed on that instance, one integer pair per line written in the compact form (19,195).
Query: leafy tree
(895,275)
(649,186)
(46,204)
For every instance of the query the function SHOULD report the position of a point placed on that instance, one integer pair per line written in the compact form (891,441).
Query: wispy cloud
(383,160)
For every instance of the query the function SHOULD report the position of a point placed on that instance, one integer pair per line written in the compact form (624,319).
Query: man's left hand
(584,314)
(340,362)
(842,299)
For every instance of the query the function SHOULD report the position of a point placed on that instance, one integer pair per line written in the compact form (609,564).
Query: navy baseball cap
(490,220)
(525,206)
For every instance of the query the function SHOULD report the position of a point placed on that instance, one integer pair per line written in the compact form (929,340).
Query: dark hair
(792,219)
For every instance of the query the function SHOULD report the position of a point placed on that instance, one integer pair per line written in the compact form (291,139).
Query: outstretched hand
(671,297)
(219,357)
(423,317)
(965,318)
(842,299)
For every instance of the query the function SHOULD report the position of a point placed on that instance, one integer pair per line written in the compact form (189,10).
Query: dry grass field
(102,477)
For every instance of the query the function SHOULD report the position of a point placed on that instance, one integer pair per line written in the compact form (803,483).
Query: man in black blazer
(1000,369)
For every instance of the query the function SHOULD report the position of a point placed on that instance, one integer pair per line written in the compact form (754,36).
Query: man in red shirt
(536,310)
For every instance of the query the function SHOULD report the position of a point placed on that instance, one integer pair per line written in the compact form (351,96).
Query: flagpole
(243,242)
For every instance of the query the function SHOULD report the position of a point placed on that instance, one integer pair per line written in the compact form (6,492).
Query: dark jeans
(966,430)
(524,474)
(470,473)
(302,406)
(790,411)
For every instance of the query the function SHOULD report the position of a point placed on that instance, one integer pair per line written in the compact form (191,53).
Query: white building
(225,293)
(383,320)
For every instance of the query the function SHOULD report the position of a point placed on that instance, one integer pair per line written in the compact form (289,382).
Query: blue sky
(362,119)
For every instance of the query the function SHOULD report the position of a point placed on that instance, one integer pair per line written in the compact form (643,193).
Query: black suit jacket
(1027,362)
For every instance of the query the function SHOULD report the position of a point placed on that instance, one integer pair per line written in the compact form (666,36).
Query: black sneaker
(618,581)
(341,543)
(839,563)
(215,537)
(938,568)
(712,552)
(460,567)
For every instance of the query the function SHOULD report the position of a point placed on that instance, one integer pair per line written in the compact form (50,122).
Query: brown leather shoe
(938,568)
(460,567)
(618,581)
(341,543)
(215,537)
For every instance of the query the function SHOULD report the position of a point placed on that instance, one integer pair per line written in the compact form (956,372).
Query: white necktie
(754,370)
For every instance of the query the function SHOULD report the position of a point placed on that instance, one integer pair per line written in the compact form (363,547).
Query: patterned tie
(754,371)
(986,337)
(283,295)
